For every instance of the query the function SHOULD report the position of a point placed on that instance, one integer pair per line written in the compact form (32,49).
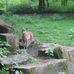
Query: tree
(41,5)
(55,0)
(64,2)
(47,3)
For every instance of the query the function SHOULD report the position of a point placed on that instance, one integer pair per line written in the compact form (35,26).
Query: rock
(49,45)
(21,45)
(56,66)
(71,67)
(13,60)
(58,53)
(44,50)
(68,52)
(45,45)
(5,28)
(50,67)
(11,39)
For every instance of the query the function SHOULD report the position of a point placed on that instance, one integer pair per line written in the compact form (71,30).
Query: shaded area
(3,29)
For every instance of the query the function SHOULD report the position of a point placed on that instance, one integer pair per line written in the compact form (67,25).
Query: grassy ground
(57,28)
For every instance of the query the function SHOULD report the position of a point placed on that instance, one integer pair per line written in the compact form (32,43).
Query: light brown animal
(27,38)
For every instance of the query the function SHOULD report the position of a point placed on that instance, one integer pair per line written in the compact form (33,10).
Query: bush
(21,9)
(1,11)
(3,49)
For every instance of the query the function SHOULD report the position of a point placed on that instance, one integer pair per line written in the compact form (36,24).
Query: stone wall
(50,67)
(12,39)
(7,34)
(5,28)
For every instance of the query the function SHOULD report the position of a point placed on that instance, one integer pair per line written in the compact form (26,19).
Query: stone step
(51,67)
(13,60)
(45,47)
(12,39)
(71,67)
(67,51)
(5,27)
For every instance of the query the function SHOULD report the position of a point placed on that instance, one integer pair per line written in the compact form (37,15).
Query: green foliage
(54,53)
(3,52)
(57,52)
(66,72)
(49,52)
(2,4)
(3,49)
(22,51)
(18,5)
(71,34)
(20,9)
(4,44)
(29,5)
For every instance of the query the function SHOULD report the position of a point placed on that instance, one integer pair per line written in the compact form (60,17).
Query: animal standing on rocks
(27,38)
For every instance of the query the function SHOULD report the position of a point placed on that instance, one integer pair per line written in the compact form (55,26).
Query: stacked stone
(67,53)
(50,67)
(7,34)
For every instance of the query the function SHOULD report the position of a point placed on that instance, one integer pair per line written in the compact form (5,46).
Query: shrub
(54,53)
(71,34)
(1,11)
(21,9)
(3,49)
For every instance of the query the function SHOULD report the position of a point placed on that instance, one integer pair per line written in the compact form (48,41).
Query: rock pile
(7,34)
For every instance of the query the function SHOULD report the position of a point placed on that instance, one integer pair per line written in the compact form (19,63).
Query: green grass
(46,28)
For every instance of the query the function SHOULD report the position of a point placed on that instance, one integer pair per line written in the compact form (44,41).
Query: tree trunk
(41,5)
(64,2)
(47,3)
